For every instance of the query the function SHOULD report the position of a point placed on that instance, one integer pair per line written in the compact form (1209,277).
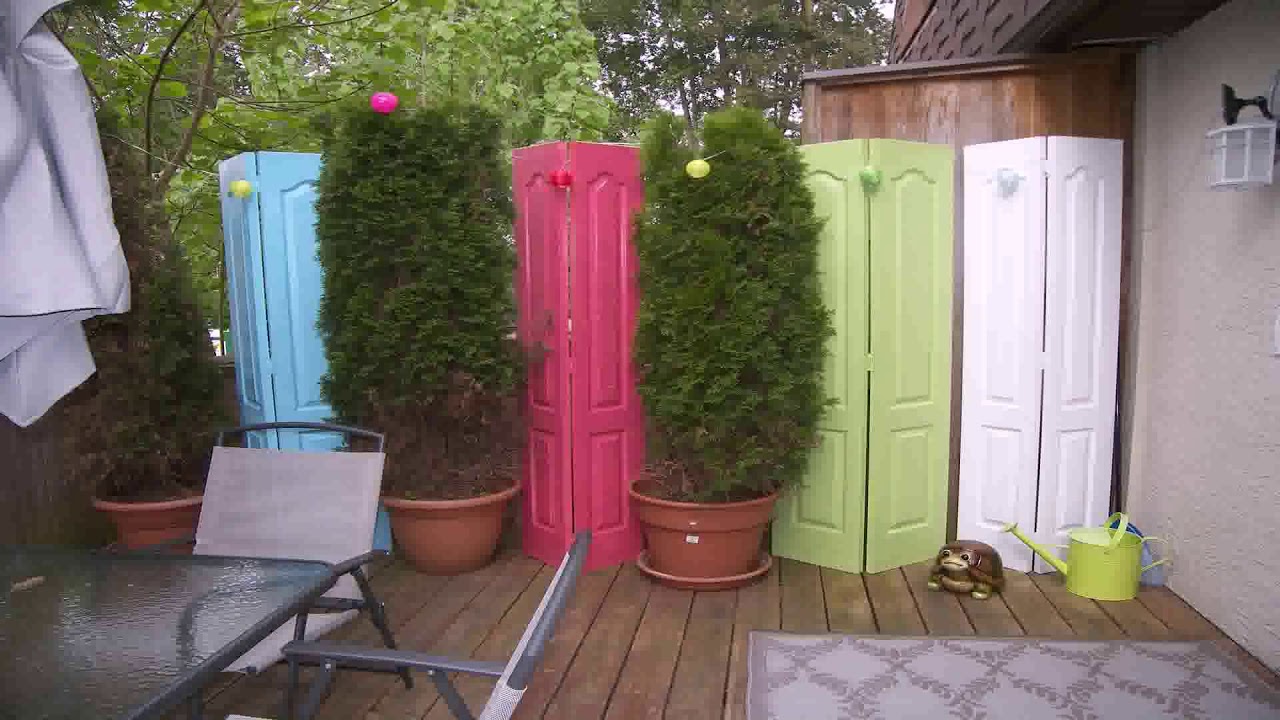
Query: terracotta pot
(139,524)
(688,542)
(448,537)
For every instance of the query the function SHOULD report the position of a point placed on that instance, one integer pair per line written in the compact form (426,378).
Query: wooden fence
(40,503)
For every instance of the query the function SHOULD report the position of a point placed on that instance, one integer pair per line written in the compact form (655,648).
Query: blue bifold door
(274,282)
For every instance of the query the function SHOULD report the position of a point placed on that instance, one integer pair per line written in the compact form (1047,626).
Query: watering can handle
(1161,561)
(1121,529)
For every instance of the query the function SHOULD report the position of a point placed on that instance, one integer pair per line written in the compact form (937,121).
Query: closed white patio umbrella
(60,256)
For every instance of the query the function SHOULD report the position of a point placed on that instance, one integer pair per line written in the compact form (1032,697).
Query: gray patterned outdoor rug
(822,677)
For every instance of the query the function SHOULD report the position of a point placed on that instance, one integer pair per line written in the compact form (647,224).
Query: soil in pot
(448,537)
(703,541)
(142,524)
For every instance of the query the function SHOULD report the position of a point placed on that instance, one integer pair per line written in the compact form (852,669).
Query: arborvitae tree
(731,334)
(418,312)
(142,426)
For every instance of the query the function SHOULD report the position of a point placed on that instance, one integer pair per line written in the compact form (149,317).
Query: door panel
(911,320)
(246,288)
(541,236)
(1004,237)
(608,418)
(1082,320)
(276,285)
(286,197)
(821,520)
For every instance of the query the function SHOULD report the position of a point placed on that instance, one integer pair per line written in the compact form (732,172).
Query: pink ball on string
(383,102)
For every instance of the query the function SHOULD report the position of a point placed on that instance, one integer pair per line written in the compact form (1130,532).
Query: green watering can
(1102,563)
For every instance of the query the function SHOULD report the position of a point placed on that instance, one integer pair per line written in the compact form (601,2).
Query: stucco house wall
(1203,462)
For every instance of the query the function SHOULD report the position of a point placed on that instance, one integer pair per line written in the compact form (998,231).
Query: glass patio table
(111,636)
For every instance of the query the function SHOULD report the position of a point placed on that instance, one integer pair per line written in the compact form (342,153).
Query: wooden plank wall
(1087,94)
(40,503)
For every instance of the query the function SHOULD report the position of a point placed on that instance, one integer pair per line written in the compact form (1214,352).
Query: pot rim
(146,505)
(392,501)
(679,505)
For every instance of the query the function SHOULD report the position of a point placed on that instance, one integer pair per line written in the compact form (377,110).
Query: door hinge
(870,362)
(268,368)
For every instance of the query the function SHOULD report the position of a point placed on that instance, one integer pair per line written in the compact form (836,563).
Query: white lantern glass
(1242,156)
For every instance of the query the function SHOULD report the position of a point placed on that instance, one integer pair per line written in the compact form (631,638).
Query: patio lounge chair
(321,506)
(513,676)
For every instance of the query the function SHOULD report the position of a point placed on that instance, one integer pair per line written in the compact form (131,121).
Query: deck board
(940,609)
(464,635)
(896,611)
(646,677)
(627,648)
(362,691)
(498,646)
(1083,615)
(804,608)
(991,617)
(1135,620)
(759,608)
(590,681)
(1033,611)
(698,690)
(848,607)
(588,599)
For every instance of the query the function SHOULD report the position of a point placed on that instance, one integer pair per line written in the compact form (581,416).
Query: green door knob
(870,178)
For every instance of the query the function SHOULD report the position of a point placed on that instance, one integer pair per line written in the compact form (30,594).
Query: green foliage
(700,55)
(418,312)
(531,61)
(731,334)
(141,427)
(257,75)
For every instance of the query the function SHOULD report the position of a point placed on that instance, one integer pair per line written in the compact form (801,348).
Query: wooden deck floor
(628,648)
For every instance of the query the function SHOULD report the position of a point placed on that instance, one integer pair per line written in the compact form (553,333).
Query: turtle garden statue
(967,566)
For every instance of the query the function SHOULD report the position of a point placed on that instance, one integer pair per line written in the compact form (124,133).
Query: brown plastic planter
(139,524)
(707,545)
(448,537)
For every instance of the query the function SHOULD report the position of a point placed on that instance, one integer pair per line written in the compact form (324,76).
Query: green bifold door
(875,496)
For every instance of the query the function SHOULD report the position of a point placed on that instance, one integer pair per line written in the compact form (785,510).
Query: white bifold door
(1042,249)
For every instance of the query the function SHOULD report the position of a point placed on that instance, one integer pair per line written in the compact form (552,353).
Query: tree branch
(155,81)
(203,96)
(279,104)
(292,26)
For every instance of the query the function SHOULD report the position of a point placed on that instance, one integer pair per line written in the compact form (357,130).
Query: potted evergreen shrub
(418,317)
(141,428)
(730,343)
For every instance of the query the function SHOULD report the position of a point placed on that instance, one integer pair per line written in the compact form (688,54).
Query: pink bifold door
(577,295)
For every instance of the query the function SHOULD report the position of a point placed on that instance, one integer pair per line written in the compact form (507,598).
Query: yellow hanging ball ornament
(697,169)
(241,188)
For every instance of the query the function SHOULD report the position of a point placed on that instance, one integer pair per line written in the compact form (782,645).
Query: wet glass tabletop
(111,635)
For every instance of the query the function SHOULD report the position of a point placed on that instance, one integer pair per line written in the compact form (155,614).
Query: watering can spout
(1040,550)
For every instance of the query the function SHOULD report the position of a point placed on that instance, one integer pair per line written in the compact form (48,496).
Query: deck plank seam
(595,615)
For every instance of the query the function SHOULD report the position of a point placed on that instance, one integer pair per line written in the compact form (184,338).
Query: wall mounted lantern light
(1243,154)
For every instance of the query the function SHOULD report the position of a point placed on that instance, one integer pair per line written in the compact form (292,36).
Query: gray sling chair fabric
(513,676)
(266,503)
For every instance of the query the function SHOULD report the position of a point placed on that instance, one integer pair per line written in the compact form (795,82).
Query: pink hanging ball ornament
(383,102)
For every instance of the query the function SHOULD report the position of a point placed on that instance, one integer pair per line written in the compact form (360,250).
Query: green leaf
(171,89)
(259,15)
